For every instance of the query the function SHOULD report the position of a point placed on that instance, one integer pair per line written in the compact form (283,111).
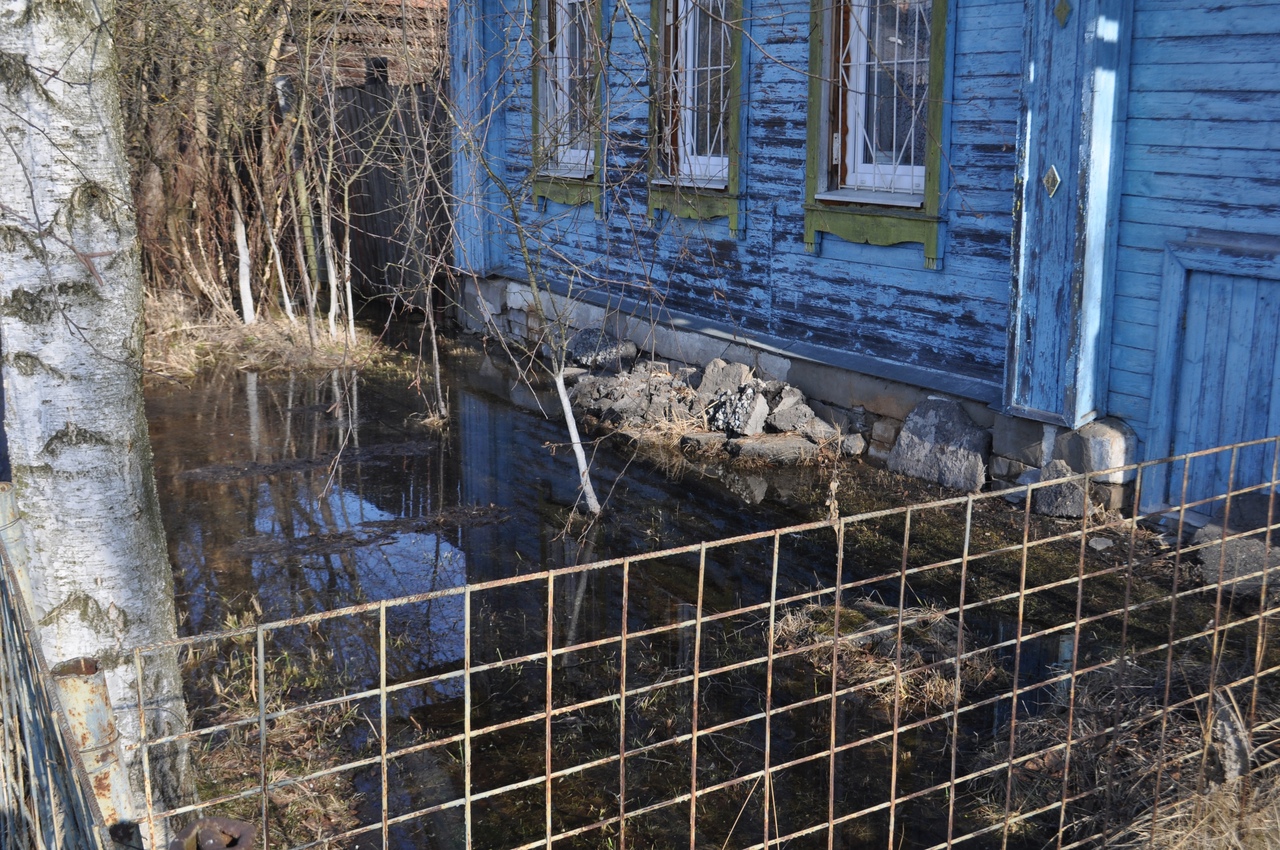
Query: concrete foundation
(852,401)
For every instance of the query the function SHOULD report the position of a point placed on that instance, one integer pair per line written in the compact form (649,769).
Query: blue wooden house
(1060,212)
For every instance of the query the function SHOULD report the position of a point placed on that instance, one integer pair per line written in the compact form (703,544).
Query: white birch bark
(71,336)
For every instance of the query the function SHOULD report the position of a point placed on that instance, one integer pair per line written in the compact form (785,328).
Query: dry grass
(1124,752)
(298,744)
(919,671)
(1232,817)
(180,341)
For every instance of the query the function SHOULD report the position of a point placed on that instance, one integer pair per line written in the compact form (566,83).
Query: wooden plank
(1262,384)
(1207,76)
(1192,49)
(1239,135)
(1191,18)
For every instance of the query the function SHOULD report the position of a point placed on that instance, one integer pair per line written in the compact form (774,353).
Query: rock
(773,448)
(1017,494)
(793,417)
(787,398)
(818,431)
(721,377)
(702,442)
(1107,444)
(595,347)
(743,413)
(1243,555)
(853,445)
(1101,544)
(940,443)
(1061,500)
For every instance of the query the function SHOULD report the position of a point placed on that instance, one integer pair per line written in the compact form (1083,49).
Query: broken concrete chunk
(940,443)
(773,448)
(596,347)
(743,413)
(721,377)
(1107,444)
(790,418)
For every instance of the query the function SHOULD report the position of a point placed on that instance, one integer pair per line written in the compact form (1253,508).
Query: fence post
(82,691)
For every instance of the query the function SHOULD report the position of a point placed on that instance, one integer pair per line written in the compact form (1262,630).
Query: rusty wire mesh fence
(965,672)
(45,801)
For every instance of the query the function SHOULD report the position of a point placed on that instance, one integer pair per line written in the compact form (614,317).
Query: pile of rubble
(719,408)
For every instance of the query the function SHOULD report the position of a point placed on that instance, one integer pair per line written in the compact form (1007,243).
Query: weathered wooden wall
(880,303)
(1201,163)
(395,141)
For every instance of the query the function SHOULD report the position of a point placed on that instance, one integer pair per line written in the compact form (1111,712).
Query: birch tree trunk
(71,336)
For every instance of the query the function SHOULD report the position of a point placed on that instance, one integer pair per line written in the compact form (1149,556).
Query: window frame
(574,182)
(694,193)
(861,215)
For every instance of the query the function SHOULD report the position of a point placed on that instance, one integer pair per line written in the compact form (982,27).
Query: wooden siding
(878,302)
(1202,154)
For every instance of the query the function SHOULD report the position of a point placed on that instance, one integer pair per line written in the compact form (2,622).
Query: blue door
(1228,385)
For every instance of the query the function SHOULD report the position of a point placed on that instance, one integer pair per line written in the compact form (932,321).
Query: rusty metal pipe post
(82,691)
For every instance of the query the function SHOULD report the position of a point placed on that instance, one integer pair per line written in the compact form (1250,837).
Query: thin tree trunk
(71,331)
(245,275)
(584,469)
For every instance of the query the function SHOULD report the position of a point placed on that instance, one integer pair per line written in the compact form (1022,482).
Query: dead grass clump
(919,671)
(181,340)
(1125,751)
(1231,817)
(299,744)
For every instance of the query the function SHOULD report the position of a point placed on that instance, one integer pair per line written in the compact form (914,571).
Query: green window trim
(874,224)
(558,188)
(690,201)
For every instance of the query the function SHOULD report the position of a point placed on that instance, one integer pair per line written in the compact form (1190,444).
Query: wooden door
(1228,385)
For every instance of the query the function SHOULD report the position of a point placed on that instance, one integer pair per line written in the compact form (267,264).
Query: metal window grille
(881,93)
(568,74)
(699,60)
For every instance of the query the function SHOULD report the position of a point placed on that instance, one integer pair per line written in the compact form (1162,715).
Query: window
(693,133)
(695,110)
(875,150)
(566,92)
(568,87)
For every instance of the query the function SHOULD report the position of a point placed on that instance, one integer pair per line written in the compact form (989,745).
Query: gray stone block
(1061,500)
(1107,444)
(742,413)
(853,445)
(885,430)
(1243,556)
(1026,441)
(1006,469)
(940,443)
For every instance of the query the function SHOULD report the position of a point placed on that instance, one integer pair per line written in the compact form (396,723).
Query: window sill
(691,184)
(870,197)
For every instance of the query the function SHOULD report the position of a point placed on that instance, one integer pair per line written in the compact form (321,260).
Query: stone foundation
(873,408)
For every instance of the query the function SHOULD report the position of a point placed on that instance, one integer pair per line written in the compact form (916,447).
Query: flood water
(285,495)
